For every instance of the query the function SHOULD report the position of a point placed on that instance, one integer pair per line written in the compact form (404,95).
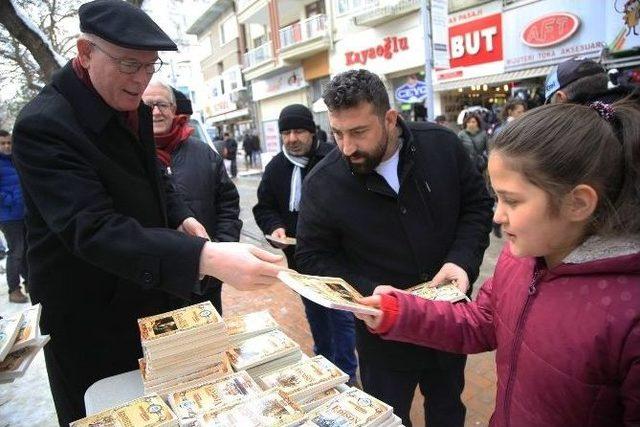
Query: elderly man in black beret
(102,217)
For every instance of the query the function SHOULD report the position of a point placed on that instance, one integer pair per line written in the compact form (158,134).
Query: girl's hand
(386,289)
(372,321)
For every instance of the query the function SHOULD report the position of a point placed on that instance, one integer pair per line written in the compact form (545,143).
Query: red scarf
(167,143)
(130,117)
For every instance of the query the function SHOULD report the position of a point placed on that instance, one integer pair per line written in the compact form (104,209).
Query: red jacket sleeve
(456,328)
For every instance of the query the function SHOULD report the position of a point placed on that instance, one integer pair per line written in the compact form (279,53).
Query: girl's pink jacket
(567,339)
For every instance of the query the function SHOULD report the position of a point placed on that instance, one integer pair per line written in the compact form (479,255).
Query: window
(232,79)
(348,6)
(216,86)
(204,47)
(228,30)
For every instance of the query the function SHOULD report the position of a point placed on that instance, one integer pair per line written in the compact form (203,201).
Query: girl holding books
(562,309)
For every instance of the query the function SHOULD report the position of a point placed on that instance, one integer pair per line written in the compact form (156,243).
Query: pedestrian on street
(247,146)
(276,214)
(321,135)
(475,140)
(12,221)
(230,153)
(513,109)
(256,148)
(561,310)
(199,175)
(398,203)
(101,216)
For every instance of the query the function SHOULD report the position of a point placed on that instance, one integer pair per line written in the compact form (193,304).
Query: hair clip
(605,111)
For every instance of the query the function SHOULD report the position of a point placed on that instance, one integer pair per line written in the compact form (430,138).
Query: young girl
(562,310)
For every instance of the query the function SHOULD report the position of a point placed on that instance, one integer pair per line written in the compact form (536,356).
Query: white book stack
(306,379)
(146,411)
(183,348)
(20,341)
(264,353)
(272,408)
(244,326)
(353,408)
(223,392)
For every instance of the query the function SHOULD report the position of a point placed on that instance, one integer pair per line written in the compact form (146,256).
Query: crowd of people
(128,215)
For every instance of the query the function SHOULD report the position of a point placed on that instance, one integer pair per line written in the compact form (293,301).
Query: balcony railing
(243,4)
(377,10)
(258,55)
(302,31)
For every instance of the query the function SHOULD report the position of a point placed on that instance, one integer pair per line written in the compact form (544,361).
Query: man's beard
(371,160)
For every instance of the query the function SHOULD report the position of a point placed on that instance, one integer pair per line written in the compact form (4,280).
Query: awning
(227,116)
(627,61)
(494,79)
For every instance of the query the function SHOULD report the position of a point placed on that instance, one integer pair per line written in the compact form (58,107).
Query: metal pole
(425,12)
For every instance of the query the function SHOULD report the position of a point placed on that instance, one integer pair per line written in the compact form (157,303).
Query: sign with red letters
(549,30)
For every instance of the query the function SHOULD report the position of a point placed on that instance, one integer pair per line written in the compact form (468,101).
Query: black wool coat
(101,219)
(356,227)
(272,210)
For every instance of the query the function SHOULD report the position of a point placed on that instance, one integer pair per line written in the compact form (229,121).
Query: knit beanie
(296,116)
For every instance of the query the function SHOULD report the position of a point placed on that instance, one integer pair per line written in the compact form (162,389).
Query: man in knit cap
(277,215)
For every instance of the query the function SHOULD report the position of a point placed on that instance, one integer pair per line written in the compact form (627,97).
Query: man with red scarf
(102,216)
(199,175)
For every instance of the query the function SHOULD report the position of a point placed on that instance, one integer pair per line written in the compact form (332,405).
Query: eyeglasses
(129,66)
(162,106)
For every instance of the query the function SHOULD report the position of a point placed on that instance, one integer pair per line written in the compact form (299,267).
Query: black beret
(124,25)
(183,104)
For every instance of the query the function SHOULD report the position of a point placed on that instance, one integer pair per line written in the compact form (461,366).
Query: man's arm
(266,212)
(177,209)
(228,224)
(474,219)
(78,209)
(319,250)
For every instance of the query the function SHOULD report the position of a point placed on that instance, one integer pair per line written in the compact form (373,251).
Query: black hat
(183,104)
(123,24)
(296,116)
(569,71)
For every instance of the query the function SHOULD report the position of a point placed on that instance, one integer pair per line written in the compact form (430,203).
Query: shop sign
(385,50)
(550,29)
(563,29)
(388,48)
(439,34)
(271,136)
(623,25)
(279,84)
(476,42)
(412,91)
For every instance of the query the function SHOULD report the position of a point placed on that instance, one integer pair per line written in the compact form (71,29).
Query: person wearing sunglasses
(103,220)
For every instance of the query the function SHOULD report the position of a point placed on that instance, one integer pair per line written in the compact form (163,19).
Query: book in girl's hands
(330,292)
(280,242)
(447,291)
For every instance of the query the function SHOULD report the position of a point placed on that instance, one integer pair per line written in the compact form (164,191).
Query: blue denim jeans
(334,335)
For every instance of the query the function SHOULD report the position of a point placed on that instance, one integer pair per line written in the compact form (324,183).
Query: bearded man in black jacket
(398,203)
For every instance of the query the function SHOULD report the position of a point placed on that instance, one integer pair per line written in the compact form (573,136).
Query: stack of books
(271,408)
(147,411)
(183,348)
(20,341)
(264,353)
(244,326)
(353,408)
(307,379)
(223,392)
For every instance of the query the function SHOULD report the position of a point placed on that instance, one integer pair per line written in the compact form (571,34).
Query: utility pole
(425,12)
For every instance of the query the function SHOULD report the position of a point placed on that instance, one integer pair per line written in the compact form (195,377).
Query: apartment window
(204,47)
(315,8)
(232,79)
(216,86)
(348,6)
(228,30)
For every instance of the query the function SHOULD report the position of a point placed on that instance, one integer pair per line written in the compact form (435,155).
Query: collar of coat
(92,112)
(600,248)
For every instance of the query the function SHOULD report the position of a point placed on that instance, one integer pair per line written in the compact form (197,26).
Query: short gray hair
(169,89)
